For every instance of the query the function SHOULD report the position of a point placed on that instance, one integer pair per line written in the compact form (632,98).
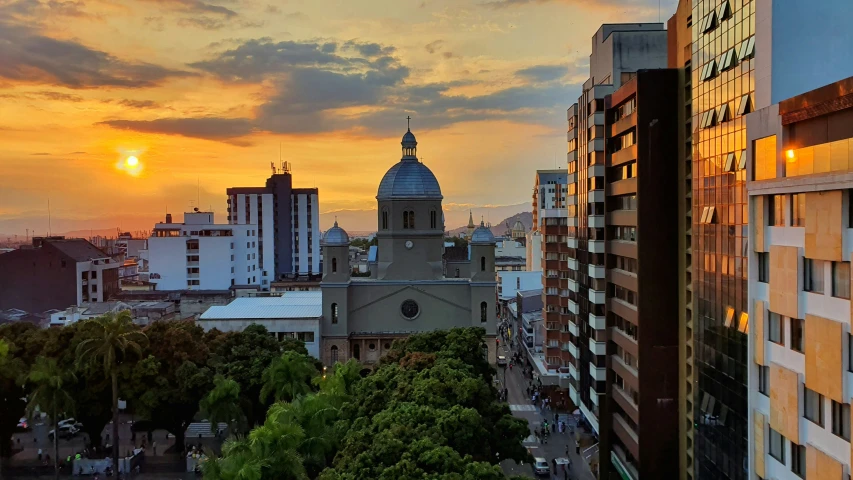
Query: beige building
(799,285)
(407,291)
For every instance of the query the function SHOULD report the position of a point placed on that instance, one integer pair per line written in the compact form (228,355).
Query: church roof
(482,235)
(336,236)
(409,178)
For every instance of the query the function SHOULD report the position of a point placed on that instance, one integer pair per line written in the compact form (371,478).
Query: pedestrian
(578,448)
(154,447)
(567,450)
(553,428)
(39,454)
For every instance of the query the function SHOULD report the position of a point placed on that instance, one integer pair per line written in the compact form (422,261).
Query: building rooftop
(291,305)
(77,248)
(530,293)
(456,254)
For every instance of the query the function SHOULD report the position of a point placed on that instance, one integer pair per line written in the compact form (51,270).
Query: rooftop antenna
(198,190)
(49,229)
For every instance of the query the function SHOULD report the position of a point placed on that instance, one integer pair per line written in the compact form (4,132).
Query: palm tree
(50,395)
(222,405)
(288,377)
(111,339)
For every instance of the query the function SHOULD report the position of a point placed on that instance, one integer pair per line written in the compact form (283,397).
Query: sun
(132,161)
(129,163)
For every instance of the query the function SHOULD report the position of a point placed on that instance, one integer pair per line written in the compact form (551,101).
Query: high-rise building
(618,52)
(201,255)
(679,57)
(723,47)
(288,221)
(801,152)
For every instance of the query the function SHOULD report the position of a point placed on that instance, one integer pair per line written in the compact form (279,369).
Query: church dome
(336,236)
(409,178)
(518,226)
(483,235)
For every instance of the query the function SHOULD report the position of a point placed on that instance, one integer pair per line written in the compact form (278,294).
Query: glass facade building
(723,47)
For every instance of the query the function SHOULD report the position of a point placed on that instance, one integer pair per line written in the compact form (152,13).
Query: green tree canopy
(12,407)
(222,405)
(288,377)
(48,394)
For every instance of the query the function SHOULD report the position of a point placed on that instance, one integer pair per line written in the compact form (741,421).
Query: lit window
(334,313)
(724,11)
(709,22)
(728,60)
(745,105)
(730,315)
(729,165)
(743,323)
(723,113)
(764,151)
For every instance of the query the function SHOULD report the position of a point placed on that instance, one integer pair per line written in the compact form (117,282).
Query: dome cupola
(409,179)
(483,235)
(336,236)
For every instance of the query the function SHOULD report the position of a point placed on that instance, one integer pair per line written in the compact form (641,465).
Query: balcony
(573,372)
(571,199)
(593,396)
(573,394)
(596,221)
(571,134)
(192,264)
(624,155)
(552,326)
(627,429)
(626,402)
(595,171)
(596,144)
(625,468)
(572,263)
(192,251)
(598,374)
(573,328)
(596,196)
(572,222)
(595,118)
(595,271)
(572,156)
(596,246)
(622,187)
(192,276)
(623,124)
(571,241)
(597,296)
(573,285)
(573,307)
(573,349)
(597,348)
(598,322)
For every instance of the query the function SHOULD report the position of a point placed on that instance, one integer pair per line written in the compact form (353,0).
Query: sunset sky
(204,92)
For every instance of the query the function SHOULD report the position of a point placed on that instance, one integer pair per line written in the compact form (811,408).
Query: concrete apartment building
(618,53)
(288,224)
(202,255)
(55,272)
(799,282)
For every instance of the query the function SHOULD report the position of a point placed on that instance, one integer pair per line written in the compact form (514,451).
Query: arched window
(334,265)
(484,311)
(482,264)
(384,219)
(411,219)
(457,273)
(334,313)
(432,219)
(406,219)
(356,351)
(334,353)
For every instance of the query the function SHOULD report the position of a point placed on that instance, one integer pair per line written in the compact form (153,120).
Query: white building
(292,315)
(288,225)
(201,255)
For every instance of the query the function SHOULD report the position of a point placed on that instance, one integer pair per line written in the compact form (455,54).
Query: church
(408,290)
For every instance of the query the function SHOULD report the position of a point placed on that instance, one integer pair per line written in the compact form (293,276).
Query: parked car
(23,425)
(502,360)
(65,431)
(541,467)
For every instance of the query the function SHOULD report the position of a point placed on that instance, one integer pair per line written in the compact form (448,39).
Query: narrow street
(558,444)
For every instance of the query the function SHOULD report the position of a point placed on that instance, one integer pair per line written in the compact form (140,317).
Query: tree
(49,394)
(288,377)
(112,340)
(222,405)
(243,357)
(11,392)
(173,377)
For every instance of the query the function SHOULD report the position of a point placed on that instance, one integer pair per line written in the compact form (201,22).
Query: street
(558,444)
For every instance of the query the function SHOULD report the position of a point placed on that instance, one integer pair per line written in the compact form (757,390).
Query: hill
(501,228)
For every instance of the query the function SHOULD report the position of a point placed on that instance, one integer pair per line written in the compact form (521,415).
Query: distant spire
(470,218)
(408,127)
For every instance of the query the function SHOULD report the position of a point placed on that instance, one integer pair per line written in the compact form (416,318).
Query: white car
(70,421)
(501,360)
(541,467)
(65,431)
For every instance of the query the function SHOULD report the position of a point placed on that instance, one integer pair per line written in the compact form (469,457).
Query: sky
(207,93)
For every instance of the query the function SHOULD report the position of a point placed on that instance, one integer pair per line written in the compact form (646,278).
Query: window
(841,279)
(764,267)
(518,283)
(777,446)
(708,215)
(764,153)
(841,420)
(334,353)
(334,265)
(384,219)
(482,264)
(764,380)
(624,294)
(709,70)
(798,460)
(709,22)
(796,334)
(624,202)
(484,312)
(334,313)
(798,210)
(406,219)
(745,105)
(775,332)
(625,233)
(813,406)
(776,217)
(432,219)
(746,49)
(813,273)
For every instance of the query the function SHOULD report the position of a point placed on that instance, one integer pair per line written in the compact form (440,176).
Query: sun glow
(132,161)
(129,163)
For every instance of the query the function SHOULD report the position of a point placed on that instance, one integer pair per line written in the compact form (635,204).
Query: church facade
(407,291)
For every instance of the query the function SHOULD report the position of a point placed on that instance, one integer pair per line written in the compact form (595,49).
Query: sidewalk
(558,444)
